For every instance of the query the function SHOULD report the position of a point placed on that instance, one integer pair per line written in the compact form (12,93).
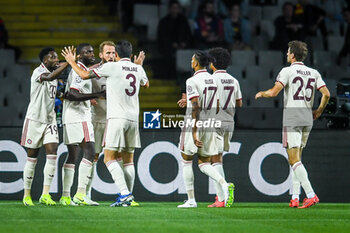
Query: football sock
(218,188)
(28,175)
(117,176)
(84,176)
(67,180)
(210,171)
(49,172)
(129,173)
(88,187)
(310,195)
(187,172)
(296,186)
(302,176)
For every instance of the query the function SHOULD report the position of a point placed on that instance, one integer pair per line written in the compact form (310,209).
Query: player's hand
(182,103)
(140,58)
(93,102)
(316,114)
(198,143)
(258,95)
(69,53)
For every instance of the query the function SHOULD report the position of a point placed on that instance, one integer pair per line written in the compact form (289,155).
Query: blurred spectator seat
(270,59)
(143,13)
(333,27)
(236,72)
(260,43)
(323,58)
(7,57)
(267,29)
(335,43)
(331,85)
(183,59)
(271,12)
(254,16)
(314,43)
(243,58)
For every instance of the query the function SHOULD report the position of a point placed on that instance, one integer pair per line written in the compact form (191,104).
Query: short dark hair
(221,58)
(81,46)
(299,49)
(123,48)
(202,57)
(44,52)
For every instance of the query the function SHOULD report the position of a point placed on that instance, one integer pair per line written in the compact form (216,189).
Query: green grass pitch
(165,217)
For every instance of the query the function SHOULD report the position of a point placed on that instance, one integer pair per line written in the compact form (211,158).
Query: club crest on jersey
(78,79)
(189,89)
(151,120)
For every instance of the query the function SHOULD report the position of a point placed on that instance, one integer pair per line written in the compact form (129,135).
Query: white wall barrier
(144,173)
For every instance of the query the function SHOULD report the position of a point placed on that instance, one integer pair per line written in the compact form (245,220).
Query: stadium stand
(33,24)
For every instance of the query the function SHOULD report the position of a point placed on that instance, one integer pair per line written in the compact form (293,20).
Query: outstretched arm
(75,95)
(324,101)
(70,55)
(55,74)
(273,92)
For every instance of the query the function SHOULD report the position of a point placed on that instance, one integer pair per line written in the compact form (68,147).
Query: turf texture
(165,217)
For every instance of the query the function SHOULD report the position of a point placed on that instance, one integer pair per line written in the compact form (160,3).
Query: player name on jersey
(132,69)
(303,72)
(209,81)
(227,81)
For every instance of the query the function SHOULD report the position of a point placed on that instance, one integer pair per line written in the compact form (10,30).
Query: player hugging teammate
(113,125)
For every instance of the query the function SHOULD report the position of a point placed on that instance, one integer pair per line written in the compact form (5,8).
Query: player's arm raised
(69,54)
(324,101)
(75,95)
(140,58)
(195,116)
(273,92)
(55,74)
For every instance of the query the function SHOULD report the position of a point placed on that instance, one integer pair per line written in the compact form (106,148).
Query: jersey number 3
(132,85)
